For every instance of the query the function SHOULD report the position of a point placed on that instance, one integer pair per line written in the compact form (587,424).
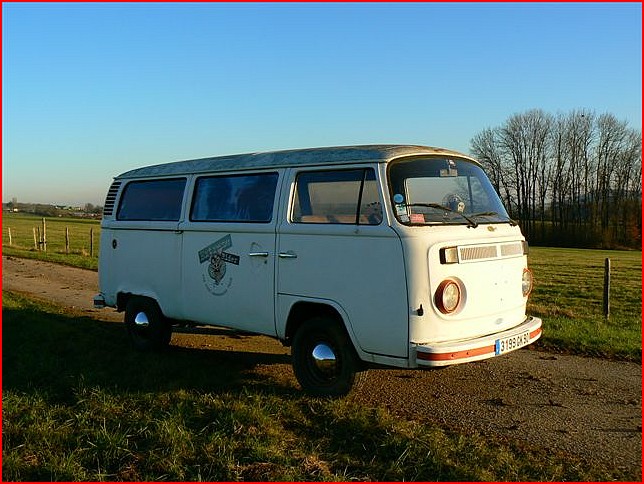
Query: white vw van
(401,256)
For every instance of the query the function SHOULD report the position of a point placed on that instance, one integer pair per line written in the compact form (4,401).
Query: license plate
(512,343)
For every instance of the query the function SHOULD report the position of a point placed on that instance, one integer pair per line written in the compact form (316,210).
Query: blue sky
(92,90)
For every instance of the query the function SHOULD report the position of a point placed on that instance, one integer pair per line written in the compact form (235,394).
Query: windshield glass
(443,191)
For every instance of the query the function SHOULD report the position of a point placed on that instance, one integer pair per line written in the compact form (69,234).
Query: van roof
(280,159)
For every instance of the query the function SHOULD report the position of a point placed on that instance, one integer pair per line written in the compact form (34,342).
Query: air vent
(515,248)
(108,208)
(478,253)
(473,253)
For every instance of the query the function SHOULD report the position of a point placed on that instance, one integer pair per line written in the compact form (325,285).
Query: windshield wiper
(471,223)
(491,214)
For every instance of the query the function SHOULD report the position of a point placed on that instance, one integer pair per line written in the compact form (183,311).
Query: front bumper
(463,351)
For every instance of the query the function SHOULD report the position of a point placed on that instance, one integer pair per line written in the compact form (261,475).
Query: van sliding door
(229,251)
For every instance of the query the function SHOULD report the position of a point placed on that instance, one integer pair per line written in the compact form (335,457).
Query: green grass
(79,405)
(22,239)
(568,296)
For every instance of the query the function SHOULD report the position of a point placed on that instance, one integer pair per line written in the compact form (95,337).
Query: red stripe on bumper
(455,355)
(458,355)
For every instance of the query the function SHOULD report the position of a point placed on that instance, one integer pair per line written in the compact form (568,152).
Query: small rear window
(154,200)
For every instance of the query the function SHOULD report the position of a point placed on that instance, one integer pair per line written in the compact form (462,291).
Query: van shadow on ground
(52,353)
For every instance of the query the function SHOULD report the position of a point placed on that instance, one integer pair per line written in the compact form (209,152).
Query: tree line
(571,179)
(48,210)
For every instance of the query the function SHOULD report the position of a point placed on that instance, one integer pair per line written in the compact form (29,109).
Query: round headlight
(526,282)
(448,296)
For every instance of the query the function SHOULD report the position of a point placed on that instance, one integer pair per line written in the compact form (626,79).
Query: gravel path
(586,407)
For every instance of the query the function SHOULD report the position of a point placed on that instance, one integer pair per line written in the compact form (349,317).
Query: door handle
(288,255)
(258,254)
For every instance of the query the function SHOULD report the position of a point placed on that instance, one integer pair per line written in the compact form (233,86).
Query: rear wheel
(146,325)
(324,360)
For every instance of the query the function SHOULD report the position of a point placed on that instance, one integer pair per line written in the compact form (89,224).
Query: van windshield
(430,191)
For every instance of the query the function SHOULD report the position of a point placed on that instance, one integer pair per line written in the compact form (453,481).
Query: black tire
(333,376)
(147,327)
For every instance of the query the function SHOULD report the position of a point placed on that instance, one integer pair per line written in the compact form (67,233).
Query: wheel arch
(302,311)
(123,297)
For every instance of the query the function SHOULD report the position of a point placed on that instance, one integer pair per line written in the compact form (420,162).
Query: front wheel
(146,325)
(324,361)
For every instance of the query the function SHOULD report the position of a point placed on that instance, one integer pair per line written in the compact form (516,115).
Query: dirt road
(587,407)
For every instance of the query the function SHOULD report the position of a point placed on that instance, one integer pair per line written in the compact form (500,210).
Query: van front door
(336,248)
(228,274)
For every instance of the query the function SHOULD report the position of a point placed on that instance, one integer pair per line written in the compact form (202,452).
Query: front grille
(478,253)
(473,253)
(515,248)
(110,200)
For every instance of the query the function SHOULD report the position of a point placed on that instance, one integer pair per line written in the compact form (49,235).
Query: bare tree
(611,144)
(485,146)
(576,175)
(524,140)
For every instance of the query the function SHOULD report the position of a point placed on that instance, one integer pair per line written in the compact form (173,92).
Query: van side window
(234,198)
(337,197)
(154,200)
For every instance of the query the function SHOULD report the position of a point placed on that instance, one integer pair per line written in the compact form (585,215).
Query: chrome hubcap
(141,320)
(324,359)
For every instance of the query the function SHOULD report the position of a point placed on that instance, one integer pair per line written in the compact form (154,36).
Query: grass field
(22,238)
(111,414)
(568,296)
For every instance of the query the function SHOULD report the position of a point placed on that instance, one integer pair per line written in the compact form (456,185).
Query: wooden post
(607,288)
(66,240)
(10,242)
(35,240)
(39,238)
(91,242)
(44,235)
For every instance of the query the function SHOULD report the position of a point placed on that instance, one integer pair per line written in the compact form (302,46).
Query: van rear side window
(234,198)
(337,197)
(153,200)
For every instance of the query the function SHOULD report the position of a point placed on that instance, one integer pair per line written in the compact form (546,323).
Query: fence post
(607,288)
(66,240)
(10,242)
(91,242)
(39,238)
(35,239)
(44,235)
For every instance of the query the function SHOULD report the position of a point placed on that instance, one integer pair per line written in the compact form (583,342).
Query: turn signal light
(449,255)
(526,282)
